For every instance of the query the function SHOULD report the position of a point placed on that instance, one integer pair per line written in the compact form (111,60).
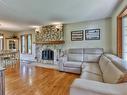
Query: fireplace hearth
(47,54)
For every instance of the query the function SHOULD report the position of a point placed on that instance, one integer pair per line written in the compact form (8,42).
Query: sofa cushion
(111,74)
(93,50)
(92,68)
(103,62)
(84,64)
(73,64)
(75,57)
(91,76)
(117,62)
(91,58)
(75,54)
(92,54)
(75,51)
(87,87)
(72,70)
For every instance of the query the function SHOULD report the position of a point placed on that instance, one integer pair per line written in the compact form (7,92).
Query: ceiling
(20,15)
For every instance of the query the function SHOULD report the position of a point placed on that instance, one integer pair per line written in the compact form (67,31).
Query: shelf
(50,42)
(13,38)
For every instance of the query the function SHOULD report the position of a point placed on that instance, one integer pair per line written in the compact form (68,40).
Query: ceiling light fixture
(58,26)
(1,37)
(56,23)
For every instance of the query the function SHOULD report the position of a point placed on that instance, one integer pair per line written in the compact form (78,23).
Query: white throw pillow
(111,74)
(103,62)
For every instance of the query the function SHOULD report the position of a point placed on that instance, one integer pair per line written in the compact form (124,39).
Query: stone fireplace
(47,54)
(49,41)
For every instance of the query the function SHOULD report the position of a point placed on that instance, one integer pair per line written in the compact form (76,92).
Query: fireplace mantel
(50,42)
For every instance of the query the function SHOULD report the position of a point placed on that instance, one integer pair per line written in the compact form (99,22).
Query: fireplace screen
(48,54)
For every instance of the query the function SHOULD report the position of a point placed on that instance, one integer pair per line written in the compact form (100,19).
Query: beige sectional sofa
(101,74)
(74,58)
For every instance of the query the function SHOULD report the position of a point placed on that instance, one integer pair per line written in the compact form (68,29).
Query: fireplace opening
(48,54)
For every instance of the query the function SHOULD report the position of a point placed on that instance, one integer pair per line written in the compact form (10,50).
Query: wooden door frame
(119,31)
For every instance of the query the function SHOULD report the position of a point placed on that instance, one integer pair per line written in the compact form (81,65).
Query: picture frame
(77,35)
(92,34)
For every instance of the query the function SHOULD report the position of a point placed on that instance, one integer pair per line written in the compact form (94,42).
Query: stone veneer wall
(49,33)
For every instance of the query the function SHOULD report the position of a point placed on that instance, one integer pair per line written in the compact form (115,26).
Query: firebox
(48,54)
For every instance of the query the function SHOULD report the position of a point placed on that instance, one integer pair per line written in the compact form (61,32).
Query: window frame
(22,44)
(119,31)
(2,41)
(26,44)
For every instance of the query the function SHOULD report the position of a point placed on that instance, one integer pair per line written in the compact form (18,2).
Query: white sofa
(101,74)
(74,58)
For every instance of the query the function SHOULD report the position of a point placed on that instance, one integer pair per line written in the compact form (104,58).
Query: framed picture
(92,34)
(77,35)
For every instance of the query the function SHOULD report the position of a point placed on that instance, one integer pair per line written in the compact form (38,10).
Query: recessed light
(34,26)
(56,23)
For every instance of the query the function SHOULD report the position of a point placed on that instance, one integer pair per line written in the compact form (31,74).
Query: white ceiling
(19,15)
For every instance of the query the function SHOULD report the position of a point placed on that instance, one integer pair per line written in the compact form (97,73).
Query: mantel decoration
(92,34)
(13,36)
(50,34)
(77,35)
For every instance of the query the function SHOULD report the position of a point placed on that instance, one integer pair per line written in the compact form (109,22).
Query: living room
(46,52)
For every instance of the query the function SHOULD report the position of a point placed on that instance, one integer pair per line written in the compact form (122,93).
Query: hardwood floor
(29,80)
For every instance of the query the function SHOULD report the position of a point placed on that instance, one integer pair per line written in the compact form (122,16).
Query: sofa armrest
(88,87)
(61,62)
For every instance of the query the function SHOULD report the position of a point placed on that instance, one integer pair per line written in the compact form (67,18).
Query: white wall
(114,25)
(105,39)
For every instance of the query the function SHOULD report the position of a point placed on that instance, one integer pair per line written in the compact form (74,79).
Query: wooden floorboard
(27,79)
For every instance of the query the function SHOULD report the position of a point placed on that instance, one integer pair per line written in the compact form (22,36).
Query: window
(121,36)
(29,43)
(1,41)
(26,43)
(23,49)
(124,36)
(12,45)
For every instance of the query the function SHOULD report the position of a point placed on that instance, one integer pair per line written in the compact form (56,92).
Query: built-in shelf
(50,42)
(12,43)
